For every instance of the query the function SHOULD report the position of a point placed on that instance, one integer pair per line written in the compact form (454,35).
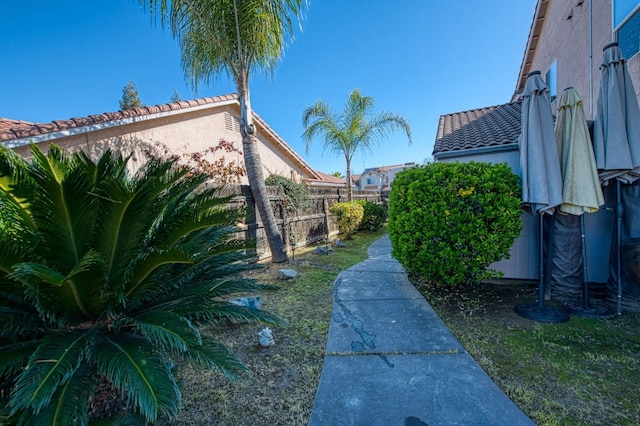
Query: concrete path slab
(410,390)
(390,360)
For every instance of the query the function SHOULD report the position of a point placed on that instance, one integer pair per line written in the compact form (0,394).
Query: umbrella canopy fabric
(581,191)
(616,134)
(541,178)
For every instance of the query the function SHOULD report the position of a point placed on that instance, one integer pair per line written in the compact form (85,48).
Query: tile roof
(13,131)
(16,129)
(479,128)
(324,177)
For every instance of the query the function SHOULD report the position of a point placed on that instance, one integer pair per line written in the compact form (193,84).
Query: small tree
(339,175)
(357,128)
(175,97)
(130,98)
(449,221)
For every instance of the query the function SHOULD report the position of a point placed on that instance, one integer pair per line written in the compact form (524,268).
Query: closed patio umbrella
(617,148)
(541,178)
(581,193)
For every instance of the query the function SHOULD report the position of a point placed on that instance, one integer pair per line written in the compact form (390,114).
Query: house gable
(180,128)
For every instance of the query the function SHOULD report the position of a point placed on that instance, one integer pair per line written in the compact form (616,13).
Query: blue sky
(417,58)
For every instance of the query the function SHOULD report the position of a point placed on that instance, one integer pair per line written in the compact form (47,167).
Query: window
(371,181)
(626,24)
(551,80)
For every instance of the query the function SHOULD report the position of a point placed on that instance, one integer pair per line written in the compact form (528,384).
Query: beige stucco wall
(576,45)
(181,132)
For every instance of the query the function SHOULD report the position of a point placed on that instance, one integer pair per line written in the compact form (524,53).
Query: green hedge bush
(449,221)
(348,215)
(374,216)
(296,195)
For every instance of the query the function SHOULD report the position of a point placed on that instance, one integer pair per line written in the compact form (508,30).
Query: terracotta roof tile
(479,128)
(17,129)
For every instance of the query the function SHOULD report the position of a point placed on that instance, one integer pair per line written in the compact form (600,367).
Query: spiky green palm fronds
(108,276)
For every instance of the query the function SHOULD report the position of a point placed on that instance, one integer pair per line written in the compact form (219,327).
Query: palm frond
(167,330)
(148,263)
(63,208)
(214,354)
(70,403)
(224,311)
(132,366)
(19,321)
(52,363)
(14,355)
(73,300)
(15,187)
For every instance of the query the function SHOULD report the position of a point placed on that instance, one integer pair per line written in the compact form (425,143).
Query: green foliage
(296,195)
(374,216)
(109,279)
(357,128)
(130,98)
(348,215)
(449,221)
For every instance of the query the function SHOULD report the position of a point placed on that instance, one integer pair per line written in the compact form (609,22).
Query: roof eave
(475,151)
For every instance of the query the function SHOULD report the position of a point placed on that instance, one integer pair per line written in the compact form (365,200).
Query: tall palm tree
(357,128)
(105,279)
(235,37)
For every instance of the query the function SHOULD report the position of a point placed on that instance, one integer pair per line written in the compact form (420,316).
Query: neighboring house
(183,127)
(326,180)
(378,178)
(565,43)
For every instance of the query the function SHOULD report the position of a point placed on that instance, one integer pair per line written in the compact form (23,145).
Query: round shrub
(449,221)
(374,216)
(348,215)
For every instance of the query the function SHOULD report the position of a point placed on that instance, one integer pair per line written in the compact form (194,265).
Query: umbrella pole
(541,257)
(619,212)
(585,277)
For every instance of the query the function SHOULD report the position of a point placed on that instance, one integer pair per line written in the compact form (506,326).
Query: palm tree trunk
(349,187)
(253,164)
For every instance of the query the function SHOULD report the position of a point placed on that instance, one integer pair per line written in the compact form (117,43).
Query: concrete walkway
(390,360)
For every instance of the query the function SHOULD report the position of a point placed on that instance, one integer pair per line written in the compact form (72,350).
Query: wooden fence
(311,224)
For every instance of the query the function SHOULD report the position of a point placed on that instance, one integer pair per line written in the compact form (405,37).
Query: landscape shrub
(374,216)
(449,221)
(109,280)
(296,195)
(348,216)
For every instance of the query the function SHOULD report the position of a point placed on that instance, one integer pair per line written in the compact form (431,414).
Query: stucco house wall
(186,129)
(573,34)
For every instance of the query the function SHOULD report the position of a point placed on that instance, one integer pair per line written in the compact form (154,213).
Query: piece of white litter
(265,337)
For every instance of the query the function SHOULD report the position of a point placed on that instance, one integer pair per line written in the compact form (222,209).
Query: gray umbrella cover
(541,178)
(616,136)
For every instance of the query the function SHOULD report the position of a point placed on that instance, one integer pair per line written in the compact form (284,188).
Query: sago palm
(107,278)
(235,37)
(357,128)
